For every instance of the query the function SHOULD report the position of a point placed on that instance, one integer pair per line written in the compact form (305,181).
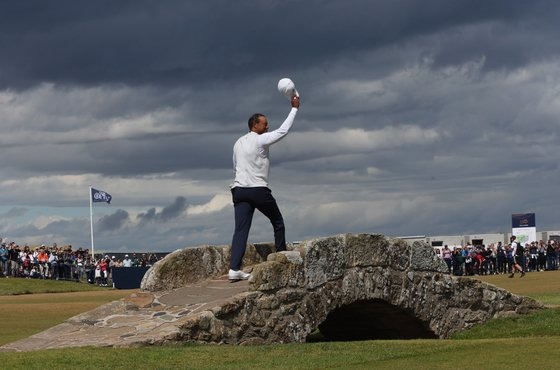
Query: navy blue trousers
(245,201)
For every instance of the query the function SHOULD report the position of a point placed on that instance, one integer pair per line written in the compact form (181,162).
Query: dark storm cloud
(168,212)
(173,210)
(147,216)
(113,221)
(63,231)
(177,42)
(156,154)
(417,117)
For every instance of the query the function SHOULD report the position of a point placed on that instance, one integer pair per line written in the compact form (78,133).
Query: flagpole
(91,222)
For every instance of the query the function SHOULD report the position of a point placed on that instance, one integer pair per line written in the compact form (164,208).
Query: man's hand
(295,102)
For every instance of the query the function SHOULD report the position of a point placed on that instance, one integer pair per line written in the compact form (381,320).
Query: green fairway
(519,342)
(514,353)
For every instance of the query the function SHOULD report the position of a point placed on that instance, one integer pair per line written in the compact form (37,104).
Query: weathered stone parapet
(189,265)
(318,261)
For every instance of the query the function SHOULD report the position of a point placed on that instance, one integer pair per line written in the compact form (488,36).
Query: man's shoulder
(248,135)
(246,139)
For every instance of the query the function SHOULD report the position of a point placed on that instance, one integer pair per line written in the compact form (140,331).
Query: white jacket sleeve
(269,138)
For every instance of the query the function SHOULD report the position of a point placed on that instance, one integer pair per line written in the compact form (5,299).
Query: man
(518,255)
(53,263)
(127,262)
(551,256)
(43,262)
(501,256)
(446,254)
(4,259)
(250,188)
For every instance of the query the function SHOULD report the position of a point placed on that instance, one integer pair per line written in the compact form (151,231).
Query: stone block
(324,260)
(376,250)
(423,258)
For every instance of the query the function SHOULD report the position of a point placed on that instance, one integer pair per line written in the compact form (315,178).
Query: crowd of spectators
(64,263)
(497,258)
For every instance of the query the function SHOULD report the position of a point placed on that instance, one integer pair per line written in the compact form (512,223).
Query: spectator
(43,263)
(447,258)
(135,261)
(4,261)
(152,259)
(457,262)
(53,262)
(478,260)
(26,263)
(551,256)
(518,252)
(127,262)
(143,260)
(490,260)
(533,256)
(501,259)
(509,257)
(13,256)
(542,256)
(80,267)
(103,267)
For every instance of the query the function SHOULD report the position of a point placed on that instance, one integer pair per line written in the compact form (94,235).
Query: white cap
(287,87)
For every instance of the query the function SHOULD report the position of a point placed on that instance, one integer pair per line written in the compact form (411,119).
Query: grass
(537,324)
(417,354)
(520,342)
(16,286)
(543,286)
(23,314)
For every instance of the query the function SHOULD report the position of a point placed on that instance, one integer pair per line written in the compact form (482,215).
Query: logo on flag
(100,196)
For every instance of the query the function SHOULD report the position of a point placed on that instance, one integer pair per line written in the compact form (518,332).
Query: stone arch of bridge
(373,319)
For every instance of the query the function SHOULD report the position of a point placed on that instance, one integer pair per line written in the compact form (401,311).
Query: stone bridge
(351,286)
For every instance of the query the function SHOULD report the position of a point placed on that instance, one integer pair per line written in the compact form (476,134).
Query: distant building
(453,241)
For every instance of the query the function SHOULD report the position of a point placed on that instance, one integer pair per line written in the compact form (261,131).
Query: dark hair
(254,119)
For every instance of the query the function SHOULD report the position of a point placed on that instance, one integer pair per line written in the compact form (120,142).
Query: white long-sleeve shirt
(250,154)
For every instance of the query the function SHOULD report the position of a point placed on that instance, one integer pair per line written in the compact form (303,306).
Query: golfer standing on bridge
(250,188)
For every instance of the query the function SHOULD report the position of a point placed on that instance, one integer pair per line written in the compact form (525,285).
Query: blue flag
(100,196)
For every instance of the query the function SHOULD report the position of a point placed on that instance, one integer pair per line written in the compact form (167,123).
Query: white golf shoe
(238,275)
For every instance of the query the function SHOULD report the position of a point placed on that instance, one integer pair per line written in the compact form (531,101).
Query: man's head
(512,238)
(258,123)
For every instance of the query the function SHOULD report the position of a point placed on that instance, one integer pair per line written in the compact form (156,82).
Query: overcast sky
(417,117)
